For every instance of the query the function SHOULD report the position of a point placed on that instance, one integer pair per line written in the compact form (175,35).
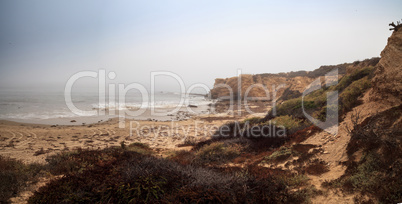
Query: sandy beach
(34,142)
(201,102)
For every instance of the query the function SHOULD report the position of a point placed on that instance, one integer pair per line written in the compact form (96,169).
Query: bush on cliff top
(350,88)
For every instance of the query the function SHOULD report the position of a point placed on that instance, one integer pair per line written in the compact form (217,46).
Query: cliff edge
(387,82)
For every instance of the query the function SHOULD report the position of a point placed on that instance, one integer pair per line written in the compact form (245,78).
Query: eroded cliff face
(252,86)
(279,86)
(387,82)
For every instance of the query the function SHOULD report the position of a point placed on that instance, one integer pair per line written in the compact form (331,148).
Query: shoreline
(163,115)
(33,141)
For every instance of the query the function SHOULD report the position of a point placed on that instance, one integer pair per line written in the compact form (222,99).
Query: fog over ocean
(35,106)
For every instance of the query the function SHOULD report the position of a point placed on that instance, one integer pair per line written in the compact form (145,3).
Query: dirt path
(334,150)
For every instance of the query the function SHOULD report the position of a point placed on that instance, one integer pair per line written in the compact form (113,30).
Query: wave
(144,105)
(147,105)
(45,107)
(43,115)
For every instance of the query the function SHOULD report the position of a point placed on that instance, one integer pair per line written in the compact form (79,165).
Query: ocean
(49,107)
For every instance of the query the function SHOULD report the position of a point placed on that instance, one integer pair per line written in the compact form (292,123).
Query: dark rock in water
(73,121)
(192,106)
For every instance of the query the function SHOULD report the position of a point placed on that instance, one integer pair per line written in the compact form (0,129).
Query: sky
(45,42)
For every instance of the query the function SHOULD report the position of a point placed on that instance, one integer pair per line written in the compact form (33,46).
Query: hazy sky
(43,43)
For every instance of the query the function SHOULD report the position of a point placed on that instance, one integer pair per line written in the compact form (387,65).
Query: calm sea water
(31,105)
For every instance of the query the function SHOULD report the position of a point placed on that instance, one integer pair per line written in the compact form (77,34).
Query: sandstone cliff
(251,85)
(387,82)
(287,85)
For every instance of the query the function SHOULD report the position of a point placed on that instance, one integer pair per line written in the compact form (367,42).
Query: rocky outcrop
(261,86)
(387,82)
(279,86)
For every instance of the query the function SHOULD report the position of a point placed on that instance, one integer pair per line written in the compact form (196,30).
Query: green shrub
(140,145)
(144,189)
(66,162)
(322,114)
(218,153)
(14,175)
(188,141)
(182,157)
(365,174)
(349,88)
(306,193)
(81,160)
(259,137)
(122,176)
(294,107)
(140,148)
(280,155)
(379,171)
(289,94)
(349,98)
(356,75)
(252,120)
(296,180)
(287,121)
